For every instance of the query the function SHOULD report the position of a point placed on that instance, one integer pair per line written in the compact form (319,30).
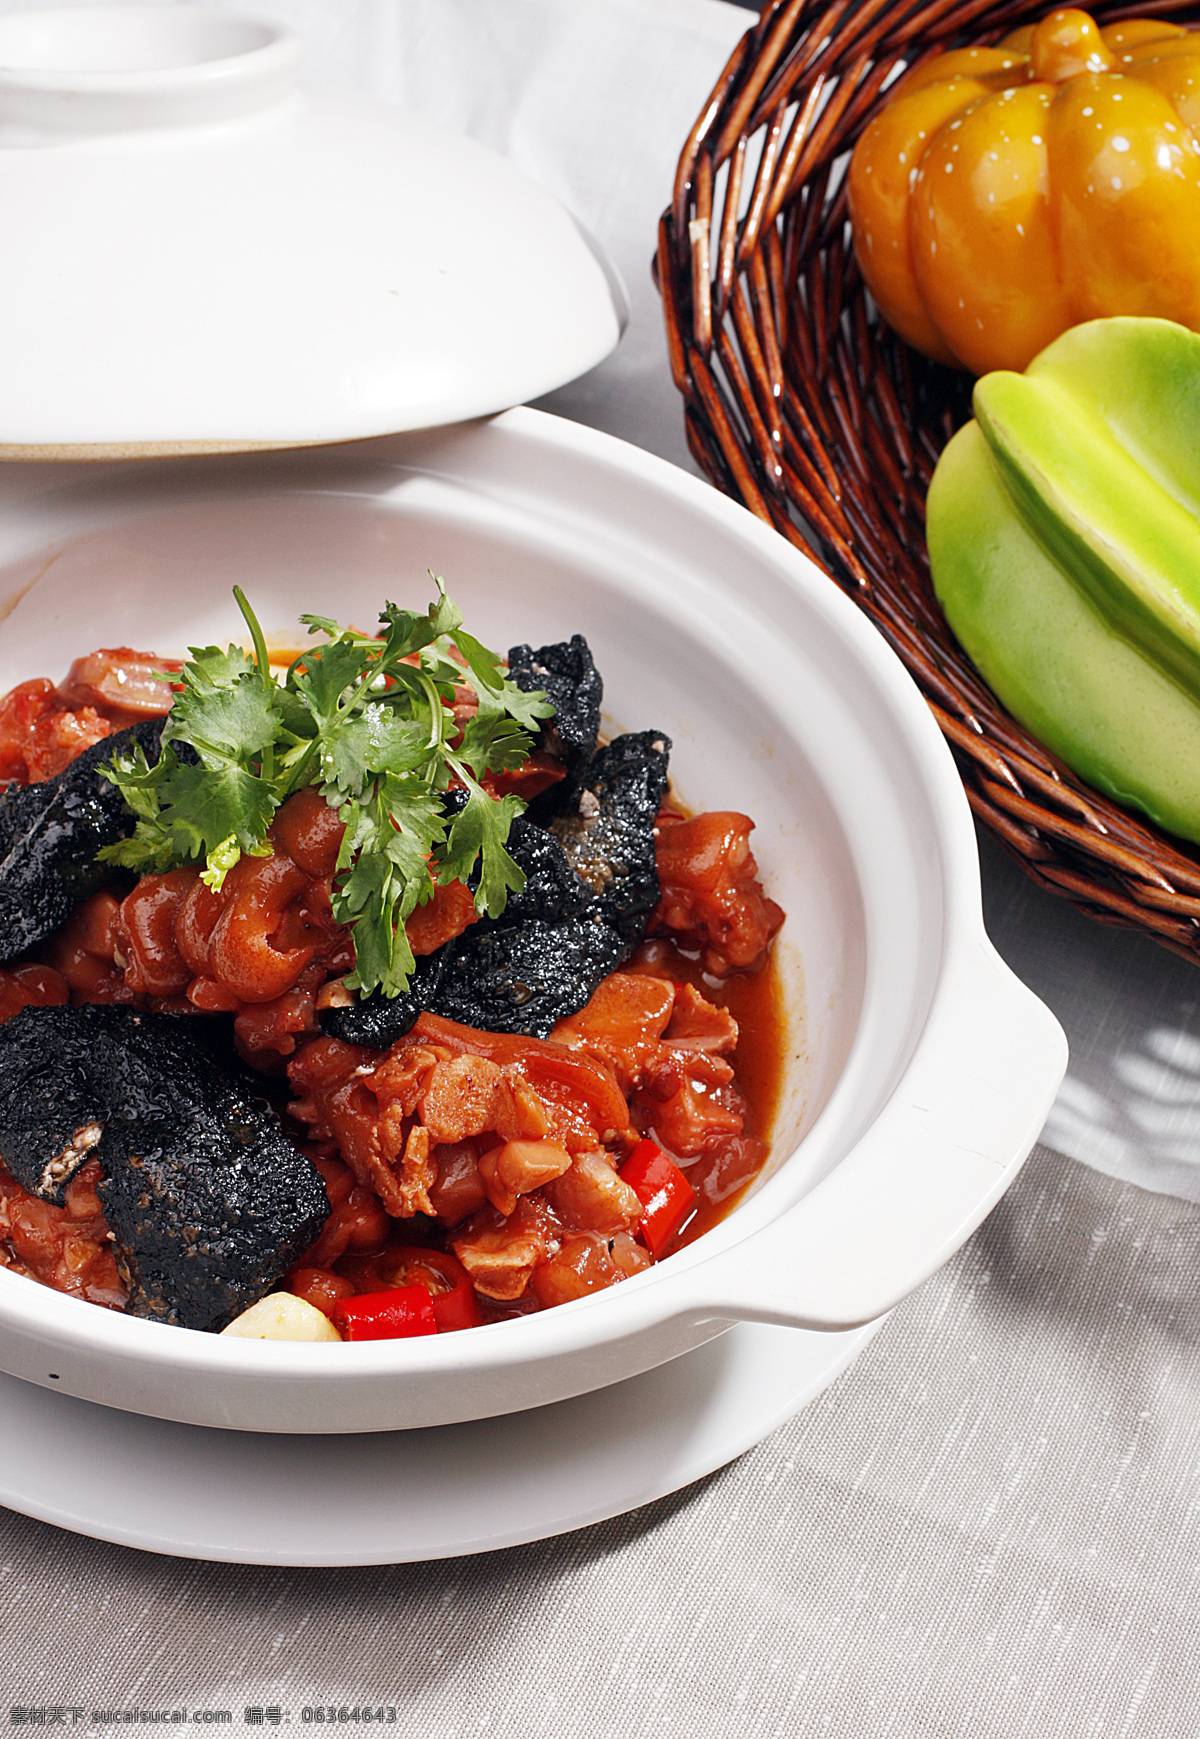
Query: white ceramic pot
(920,1070)
(200,255)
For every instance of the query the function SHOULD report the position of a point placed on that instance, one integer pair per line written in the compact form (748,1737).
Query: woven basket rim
(799,403)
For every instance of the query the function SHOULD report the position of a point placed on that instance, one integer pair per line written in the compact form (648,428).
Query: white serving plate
(249,1498)
(200,255)
(921,1069)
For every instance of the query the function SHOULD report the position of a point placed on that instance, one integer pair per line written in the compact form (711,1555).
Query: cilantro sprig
(369,721)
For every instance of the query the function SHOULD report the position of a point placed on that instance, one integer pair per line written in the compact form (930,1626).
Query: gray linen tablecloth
(988,1526)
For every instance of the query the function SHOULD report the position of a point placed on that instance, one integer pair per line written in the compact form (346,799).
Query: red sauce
(755,1000)
(498,1156)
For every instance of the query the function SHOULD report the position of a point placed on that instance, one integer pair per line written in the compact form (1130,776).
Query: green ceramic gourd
(1064,537)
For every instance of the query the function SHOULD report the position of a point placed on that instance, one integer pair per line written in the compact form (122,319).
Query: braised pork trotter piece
(207,1200)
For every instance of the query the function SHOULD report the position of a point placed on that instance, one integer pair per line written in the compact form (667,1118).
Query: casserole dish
(920,1070)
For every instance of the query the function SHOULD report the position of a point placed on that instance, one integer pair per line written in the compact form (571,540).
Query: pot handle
(957,1128)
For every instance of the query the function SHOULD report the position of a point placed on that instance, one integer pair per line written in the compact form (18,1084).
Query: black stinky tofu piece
(591,885)
(379,1020)
(208,1201)
(568,674)
(525,977)
(470,970)
(604,817)
(49,836)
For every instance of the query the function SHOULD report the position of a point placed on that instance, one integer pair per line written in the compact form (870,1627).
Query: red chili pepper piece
(391,1315)
(446,1280)
(457,1309)
(666,1196)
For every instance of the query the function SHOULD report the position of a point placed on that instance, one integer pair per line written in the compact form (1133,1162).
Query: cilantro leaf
(228,725)
(478,834)
(492,743)
(528,706)
(370,721)
(484,665)
(187,813)
(209,669)
(379,740)
(322,676)
(385,854)
(206,807)
(150,848)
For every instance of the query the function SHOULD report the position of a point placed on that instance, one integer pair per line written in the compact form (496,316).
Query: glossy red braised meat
(510,1148)
(22,985)
(122,684)
(68,1248)
(43,728)
(265,948)
(711,898)
(260,949)
(483,1167)
(39,736)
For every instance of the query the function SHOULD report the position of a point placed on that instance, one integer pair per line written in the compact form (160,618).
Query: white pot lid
(200,256)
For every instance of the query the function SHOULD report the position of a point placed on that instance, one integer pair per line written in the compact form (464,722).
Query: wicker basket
(803,407)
